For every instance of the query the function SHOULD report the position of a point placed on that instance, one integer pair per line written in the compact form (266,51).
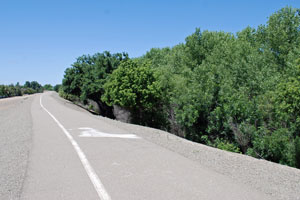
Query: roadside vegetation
(19,90)
(28,88)
(49,87)
(238,92)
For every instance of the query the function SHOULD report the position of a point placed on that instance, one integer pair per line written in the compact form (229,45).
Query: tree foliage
(18,90)
(238,92)
(136,88)
(86,78)
(48,87)
(56,88)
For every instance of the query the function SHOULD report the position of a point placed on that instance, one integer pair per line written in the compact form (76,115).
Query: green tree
(85,79)
(56,87)
(237,92)
(34,85)
(48,87)
(274,146)
(88,74)
(136,88)
(282,33)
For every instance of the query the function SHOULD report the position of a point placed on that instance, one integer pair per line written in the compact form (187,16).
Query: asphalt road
(75,155)
(15,143)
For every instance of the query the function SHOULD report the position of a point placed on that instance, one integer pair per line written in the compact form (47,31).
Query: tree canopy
(19,90)
(136,88)
(238,92)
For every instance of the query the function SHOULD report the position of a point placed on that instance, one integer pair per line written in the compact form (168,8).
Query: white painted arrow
(90,132)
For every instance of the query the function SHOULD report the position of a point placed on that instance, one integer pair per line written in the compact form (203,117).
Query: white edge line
(86,164)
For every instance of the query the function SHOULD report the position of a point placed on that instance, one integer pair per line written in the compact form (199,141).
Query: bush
(57,87)
(67,96)
(237,92)
(28,91)
(275,146)
(136,88)
(48,87)
(224,145)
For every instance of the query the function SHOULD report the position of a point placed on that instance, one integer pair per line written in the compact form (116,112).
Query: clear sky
(39,39)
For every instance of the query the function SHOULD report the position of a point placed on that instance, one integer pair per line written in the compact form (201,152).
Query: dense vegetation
(19,90)
(49,87)
(85,79)
(239,92)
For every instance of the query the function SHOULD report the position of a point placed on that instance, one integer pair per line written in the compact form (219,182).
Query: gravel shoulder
(279,181)
(15,144)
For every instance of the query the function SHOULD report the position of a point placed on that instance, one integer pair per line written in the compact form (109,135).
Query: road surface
(51,149)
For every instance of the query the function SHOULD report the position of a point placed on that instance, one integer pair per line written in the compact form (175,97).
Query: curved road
(51,149)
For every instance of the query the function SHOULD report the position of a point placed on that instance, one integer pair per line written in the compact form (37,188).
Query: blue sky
(39,39)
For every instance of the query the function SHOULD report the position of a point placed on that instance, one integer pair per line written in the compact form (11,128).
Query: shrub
(136,88)
(275,146)
(224,145)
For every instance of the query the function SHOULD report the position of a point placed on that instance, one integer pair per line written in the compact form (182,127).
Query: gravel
(15,143)
(279,181)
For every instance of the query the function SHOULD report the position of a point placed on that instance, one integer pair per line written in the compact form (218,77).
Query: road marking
(103,195)
(90,132)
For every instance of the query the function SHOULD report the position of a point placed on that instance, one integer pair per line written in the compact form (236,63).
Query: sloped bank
(279,181)
(95,107)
